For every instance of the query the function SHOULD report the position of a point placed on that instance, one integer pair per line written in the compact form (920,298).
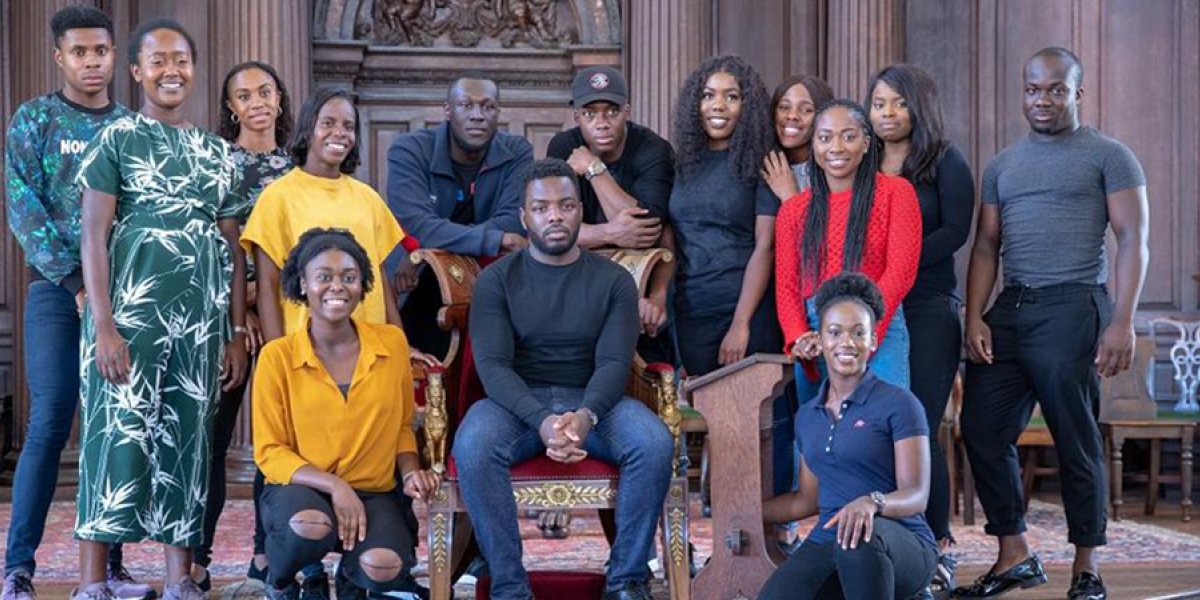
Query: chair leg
(952,470)
(1155,467)
(968,488)
(676,557)
(705,489)
(441,543)
(608,523)
(1029,476)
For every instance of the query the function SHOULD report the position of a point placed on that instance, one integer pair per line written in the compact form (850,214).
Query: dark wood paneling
(384,123)
(665,41)
(862,37)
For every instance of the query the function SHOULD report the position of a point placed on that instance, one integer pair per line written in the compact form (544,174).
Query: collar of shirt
(370,349)
(858,396)
(497,153)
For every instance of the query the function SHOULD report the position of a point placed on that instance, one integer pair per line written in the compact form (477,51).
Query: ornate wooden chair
(539,483)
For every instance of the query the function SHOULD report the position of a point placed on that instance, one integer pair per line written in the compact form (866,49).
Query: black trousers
(419,315)
(287,552)
(224,423)
(935,347)
(1044,346)
(895,563)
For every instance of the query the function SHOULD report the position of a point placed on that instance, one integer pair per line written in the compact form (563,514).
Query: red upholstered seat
(542,467)
(554,585)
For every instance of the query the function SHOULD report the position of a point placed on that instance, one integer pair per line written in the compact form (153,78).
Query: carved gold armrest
(456,276)
(663,376)
(437,420)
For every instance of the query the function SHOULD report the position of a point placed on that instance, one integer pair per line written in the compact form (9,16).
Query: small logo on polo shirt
(599,81)
(859,424)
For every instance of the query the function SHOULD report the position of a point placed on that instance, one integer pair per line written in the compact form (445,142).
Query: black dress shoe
(631,591)
(1025,574)
(1087,586)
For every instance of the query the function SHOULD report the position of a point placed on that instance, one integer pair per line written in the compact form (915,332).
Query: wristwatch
(592,418)
(880,502)
(594,169)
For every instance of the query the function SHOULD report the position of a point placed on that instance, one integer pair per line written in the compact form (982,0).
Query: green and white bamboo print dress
(143,465)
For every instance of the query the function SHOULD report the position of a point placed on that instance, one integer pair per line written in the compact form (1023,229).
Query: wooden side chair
(539,483)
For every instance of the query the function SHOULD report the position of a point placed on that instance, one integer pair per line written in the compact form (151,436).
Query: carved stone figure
(466,23)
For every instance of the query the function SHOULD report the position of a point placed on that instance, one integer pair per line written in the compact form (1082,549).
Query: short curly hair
(548,168)
(753,135)
(312,243)
(79,17)
(850,286)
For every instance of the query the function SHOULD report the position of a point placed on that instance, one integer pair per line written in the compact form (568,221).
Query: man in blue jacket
(458,188)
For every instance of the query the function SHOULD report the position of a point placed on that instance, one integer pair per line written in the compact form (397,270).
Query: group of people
(165,258)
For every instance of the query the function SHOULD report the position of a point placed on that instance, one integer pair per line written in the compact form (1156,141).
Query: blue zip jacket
(422,191)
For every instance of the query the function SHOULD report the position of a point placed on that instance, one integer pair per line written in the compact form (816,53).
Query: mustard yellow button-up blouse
(301,418)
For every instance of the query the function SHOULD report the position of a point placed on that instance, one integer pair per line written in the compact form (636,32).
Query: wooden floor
(1124,582)
(1156,581)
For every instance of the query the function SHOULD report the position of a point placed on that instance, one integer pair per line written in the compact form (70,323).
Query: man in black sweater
(553,329)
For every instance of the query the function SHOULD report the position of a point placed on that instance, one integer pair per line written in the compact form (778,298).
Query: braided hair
(813,242)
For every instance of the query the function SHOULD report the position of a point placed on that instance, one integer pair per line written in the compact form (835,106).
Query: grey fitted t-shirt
(1053,205)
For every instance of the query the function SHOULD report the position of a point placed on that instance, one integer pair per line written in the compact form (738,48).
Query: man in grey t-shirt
(1047,201)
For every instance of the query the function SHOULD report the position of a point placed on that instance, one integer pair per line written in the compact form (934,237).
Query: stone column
(665,40)
(276,32)
(863,36)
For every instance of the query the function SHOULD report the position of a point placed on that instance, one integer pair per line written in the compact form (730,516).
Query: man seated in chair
(554,328)
(626,171)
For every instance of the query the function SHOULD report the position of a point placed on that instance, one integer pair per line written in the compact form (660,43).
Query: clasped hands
(564,436)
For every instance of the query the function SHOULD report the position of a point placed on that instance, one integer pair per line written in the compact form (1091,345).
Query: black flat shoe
(1025,574)
(1087,586)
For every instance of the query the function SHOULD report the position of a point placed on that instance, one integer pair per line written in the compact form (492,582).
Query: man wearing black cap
(626,173)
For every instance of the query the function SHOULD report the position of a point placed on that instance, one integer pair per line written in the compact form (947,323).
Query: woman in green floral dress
(166,289)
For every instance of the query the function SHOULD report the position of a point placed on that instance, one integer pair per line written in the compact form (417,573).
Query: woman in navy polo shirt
(864,467)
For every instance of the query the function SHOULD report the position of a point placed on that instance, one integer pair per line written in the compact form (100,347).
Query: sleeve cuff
(535,420)
(73,282)
(492,239)
(281,469)
(408,442)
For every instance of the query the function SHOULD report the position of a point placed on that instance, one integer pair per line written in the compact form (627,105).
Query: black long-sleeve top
(538,325)
(947,207)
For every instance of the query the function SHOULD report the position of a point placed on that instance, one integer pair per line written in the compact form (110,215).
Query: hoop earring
(233,117)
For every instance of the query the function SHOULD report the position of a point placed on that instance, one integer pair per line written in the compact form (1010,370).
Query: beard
(553,248)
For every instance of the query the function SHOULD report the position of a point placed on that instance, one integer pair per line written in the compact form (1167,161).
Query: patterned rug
(587,550)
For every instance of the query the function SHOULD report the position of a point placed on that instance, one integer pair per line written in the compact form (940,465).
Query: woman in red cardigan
(852,218)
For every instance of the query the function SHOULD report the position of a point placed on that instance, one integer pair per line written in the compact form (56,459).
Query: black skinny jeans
(935,348)
(896,563)
(390,525)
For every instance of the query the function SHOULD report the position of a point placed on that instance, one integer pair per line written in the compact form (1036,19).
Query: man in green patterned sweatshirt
(45,143)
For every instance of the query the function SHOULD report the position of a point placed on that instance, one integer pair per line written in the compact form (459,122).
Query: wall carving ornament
(467,23)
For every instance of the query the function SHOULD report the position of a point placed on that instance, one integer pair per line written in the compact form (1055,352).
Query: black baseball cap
(599,83)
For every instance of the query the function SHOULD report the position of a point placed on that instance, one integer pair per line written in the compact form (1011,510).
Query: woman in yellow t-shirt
(320,192)
(333,428)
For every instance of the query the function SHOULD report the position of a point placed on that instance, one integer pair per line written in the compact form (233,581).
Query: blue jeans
(491,439)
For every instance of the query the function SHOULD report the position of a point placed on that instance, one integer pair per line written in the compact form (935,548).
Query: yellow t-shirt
(298,202)
(300,417)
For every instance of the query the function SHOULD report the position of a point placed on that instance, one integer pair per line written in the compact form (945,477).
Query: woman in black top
(723,216)
(907,116)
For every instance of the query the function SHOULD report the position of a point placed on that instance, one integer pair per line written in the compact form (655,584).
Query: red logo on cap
(599,81)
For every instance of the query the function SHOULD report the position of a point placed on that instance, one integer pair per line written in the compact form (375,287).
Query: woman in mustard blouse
(333,413)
